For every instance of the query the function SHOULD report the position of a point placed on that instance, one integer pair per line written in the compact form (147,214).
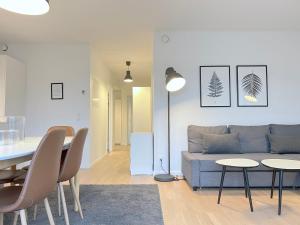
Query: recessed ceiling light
(26,7)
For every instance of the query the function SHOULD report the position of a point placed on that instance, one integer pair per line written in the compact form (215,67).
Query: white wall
(186,51)
(102,86)
(48,63)
(141,113)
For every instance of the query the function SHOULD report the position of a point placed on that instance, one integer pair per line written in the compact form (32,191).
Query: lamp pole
(174,82)
(169,141)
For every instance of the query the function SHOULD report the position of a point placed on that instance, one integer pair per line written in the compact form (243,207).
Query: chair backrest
(70,132)
(43,172)
(72,161)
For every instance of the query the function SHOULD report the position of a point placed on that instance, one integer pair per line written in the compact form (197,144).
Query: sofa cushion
(195,139)
(207,162)
(284,144)
(221,144)
(287,130)
(253,139)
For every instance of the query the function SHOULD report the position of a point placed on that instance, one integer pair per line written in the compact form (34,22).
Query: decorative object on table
(57,91)
(12,129)
(34,7)
(215,88)
(174,82)
(128,77)
(252,85)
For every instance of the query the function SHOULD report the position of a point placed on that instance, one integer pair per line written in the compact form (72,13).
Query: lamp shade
(174,81)
(28,7)
(128,78)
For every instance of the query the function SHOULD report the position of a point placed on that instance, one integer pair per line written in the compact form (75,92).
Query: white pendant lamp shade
(26,7)
(174,81)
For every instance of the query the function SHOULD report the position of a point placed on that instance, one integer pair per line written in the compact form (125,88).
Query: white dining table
(23,151)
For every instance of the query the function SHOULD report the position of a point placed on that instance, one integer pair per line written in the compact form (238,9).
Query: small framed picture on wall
(215,86)
(57,91)
(252,85)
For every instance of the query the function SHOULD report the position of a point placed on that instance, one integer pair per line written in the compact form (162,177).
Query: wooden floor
(182,206)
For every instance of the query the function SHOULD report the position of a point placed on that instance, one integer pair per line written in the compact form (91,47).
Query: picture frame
(215,86)
(252,85)
(57,91)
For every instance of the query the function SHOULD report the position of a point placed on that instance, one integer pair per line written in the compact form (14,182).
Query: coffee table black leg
(248,188)
(273,182)
(280,191)
(245,185)
(221,183)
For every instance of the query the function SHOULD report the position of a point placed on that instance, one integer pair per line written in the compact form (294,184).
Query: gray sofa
(200,169)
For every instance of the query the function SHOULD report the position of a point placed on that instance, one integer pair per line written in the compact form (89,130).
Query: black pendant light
(26,7)
(128,77)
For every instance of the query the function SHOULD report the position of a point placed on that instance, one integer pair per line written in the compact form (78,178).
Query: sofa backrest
(285,130)
(195,138)
(253,139)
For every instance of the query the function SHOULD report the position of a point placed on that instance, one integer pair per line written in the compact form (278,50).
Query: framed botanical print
(252,85)
(215,86)
(57,91)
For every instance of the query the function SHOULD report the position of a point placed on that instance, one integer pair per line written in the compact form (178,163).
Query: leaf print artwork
(215,86)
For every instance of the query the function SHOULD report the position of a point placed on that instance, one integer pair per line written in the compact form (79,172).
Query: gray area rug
(105,205)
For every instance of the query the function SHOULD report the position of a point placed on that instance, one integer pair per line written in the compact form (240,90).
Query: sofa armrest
(191,169)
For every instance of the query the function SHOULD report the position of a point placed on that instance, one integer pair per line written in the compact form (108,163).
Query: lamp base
(164,177)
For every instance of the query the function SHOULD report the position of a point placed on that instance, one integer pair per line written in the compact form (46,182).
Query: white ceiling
(123,29)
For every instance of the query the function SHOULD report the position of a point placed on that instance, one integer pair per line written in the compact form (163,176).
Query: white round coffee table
(244,164)
(280,165)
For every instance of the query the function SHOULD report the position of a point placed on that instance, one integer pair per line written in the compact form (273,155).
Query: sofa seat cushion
(253,139)
(207,162)
(285,130)
(195,136)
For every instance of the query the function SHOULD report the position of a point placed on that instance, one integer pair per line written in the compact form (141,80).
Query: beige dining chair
(44,164)
(70,168)
(70,132)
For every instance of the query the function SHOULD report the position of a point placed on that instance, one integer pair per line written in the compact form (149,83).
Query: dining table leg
(1,218)
(77,190)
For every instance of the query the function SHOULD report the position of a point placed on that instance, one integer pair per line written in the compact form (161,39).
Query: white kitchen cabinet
(12,86)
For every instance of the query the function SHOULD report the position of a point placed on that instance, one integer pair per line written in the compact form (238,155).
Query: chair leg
(49,214)
(35,212)
(23,217)
(59,200)
(76,197)
(16,217)
(64,204)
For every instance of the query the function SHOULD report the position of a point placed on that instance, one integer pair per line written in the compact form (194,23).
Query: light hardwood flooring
(182,206)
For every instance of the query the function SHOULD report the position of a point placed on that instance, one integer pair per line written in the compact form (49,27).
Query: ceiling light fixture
(128,77)
(28,7)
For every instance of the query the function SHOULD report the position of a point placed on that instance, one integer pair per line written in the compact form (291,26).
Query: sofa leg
(195,188)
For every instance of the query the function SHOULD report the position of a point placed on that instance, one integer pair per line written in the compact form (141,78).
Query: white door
(117,121)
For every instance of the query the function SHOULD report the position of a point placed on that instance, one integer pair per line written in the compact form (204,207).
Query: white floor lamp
(174,82)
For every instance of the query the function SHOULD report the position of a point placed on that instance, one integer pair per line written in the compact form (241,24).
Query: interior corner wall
(102,84)
(186,51)
(50,63)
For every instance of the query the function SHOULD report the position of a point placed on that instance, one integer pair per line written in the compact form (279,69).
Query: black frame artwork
(61,90)
(219,86)
(260,86)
